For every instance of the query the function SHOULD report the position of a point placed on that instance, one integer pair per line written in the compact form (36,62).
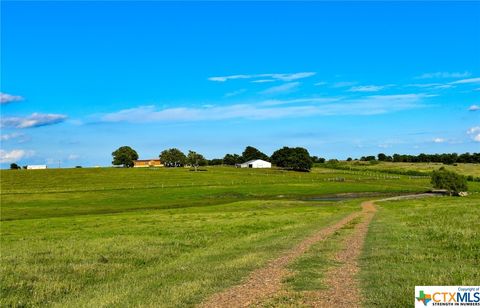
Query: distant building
(143,163)
(36,167)
(256,163)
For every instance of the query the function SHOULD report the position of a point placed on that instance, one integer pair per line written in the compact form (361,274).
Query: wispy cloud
(474,133)
(467,81)
(263,80)
(34,120)
(474,108)
(286,87)
(370,88)
(8,98)
(444,75)
(320,83)
(14,155)
(6,137)
(281,77)
(439,140)
(235,93)
(370,105)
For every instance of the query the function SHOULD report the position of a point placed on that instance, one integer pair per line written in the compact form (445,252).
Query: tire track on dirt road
(267,281)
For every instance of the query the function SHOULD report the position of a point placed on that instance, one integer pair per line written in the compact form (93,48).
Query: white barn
(256,163)
(35,167)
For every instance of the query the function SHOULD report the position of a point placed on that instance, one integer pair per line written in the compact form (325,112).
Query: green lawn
(433,241)
(30,194)
(173,257)
(171,237)
(465,169)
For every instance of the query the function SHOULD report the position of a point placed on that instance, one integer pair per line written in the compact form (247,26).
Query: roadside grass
(28,194)
(172,257)
(432,241)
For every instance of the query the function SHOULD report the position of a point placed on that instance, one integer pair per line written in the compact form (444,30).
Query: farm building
(256,163)
(142,163)
(36,167)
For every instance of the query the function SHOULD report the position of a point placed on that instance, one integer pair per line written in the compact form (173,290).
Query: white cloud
(263,80)
(474,133)
(34,120)
(8,98)
(236,92)
(474,108)
(370,105)
(320,83)
(370,88)
(444,75)
(6,137)
(13,155)
(439,140)
(464,81)
(73,157)
(281,77)
(286,87)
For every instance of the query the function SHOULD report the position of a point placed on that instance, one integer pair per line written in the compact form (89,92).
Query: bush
(292,158)
(449,180)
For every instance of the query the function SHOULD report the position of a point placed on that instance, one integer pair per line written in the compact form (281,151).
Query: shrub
(449,180)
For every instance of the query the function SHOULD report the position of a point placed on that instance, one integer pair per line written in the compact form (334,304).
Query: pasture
(172,237)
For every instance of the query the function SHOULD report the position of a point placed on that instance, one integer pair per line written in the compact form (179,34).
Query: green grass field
(465,169)
(431,242)
(172,237)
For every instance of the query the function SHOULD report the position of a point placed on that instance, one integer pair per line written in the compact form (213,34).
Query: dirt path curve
(343,287)
(267,281)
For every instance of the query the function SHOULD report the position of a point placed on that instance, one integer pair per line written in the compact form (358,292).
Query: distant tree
(232,159)
(349,159)
(215,162)
(382,157)
(449,180)
(195,159)
(251,153)
(319,160)
(173,158)
(78,166)
(25,167)
(367,158)
(292,158)
(124,156)
(14,166)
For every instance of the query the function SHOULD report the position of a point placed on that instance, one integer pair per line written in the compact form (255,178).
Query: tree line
(288,158)
(445,158)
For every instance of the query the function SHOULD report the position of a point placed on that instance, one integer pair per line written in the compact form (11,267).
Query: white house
(256,163)
(35,167)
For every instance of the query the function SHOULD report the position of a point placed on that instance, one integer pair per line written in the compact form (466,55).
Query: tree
(124,156)
(232,159)
(215,162)
(195,159)
(449,180)
(382,157)
(14,166)
(251,153)
(349,159)
(292,158)
(173,158)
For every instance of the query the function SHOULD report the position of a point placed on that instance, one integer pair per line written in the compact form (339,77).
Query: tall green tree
(449,180)
(251,153)
(292,158)
(195,159)
(232,159)
(124,156)
(14,166)
(173,158)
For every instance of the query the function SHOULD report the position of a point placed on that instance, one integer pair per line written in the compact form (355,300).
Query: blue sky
(80,79)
